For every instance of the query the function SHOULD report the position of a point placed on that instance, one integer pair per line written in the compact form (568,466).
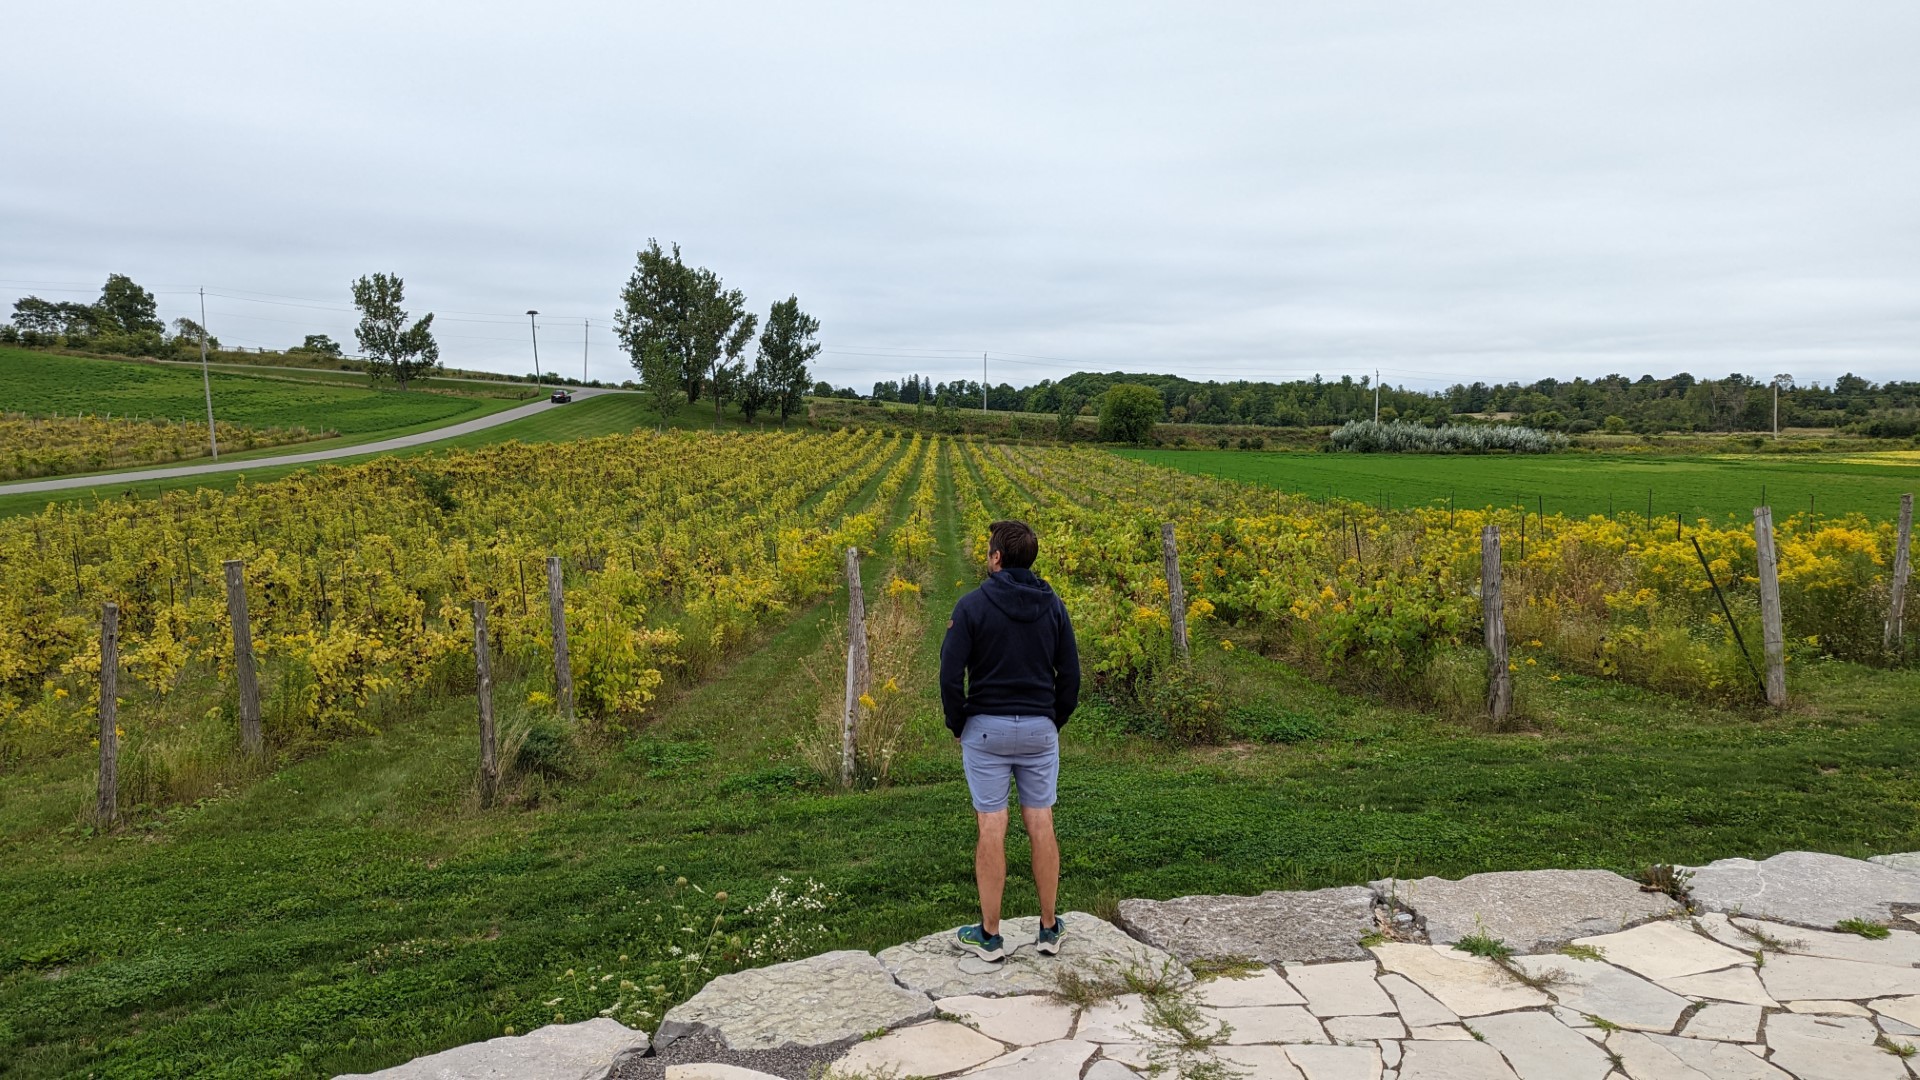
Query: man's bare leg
(1046,859)
(990,867)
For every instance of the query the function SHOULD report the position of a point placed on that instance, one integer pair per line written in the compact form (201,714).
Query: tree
(127,307)
(34,315)
(1128,412)
(786,347)
(660,378)
(319,344)
(725,329)
(394,349)
(186,332)
(1064,421)
(686,309)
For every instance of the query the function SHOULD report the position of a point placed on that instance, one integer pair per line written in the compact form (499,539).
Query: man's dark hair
(1015,542)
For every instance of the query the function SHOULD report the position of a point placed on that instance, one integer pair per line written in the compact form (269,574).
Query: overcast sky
(1449,192)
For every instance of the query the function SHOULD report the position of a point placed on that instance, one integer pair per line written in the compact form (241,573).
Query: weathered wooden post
(1897,605)
(1773,638)
(858,673)
(243,663)
(1176,590)
(1494,614)
(489,762)
(562,663)
(108,808)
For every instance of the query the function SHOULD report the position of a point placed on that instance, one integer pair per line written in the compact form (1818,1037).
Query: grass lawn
(1574,483)
(42,383)
(352,909)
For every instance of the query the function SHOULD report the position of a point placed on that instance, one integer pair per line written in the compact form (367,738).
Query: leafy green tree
(318,344)
(1064,421)
(1128,412)
(725,330)
(660,378)
(187,335)
(394,349)
(684,308)
(34,315)
(127,307)
(786,347)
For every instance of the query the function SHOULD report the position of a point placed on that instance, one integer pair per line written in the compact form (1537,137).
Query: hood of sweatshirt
(1019,594)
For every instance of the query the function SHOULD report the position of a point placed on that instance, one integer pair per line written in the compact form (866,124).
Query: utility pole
(586,329)
(1376,395)
(206,381)
(533,326)
(983,381)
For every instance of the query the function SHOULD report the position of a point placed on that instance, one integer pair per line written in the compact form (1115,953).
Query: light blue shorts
(999,749)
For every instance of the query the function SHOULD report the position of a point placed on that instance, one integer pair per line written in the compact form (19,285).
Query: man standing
(1009,679)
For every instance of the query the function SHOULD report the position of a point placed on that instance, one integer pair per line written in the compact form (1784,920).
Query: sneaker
(976,940)
(1048,943)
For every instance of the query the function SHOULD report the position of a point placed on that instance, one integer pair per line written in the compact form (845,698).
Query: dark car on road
(561,397)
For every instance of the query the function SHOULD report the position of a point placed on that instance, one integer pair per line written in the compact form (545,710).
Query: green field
(43,383)
(1578,484)
(352,909)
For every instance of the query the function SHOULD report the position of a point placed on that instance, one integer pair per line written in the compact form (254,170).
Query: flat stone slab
(1666,950)
(1718,1060)
(1531,911)
(1268,1024)
(1058,1060)
(1791,977)
(933,1049)
(1466,985)
(1344,989)
(1272,928)
(1092,947)
(1019,1021)
(1805,888)
(1830,1048)
(1336,1062)
(1538,1047)
(1724,1021)
(589,1050)
(1451,1060)
(822,1000)
(1596,988)
(1741,984)
(1902,860)
(1263,987)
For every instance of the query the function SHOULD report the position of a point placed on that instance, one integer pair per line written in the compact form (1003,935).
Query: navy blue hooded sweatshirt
(1009,651)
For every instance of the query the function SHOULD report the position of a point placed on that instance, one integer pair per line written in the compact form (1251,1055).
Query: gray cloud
(1473,190)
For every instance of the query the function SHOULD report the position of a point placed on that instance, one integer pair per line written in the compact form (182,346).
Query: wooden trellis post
(108,808)
(1897,605)
(1773,637)
(1494,613)
(489,762)
(243,662)
(1176,590)
(562,662)
(858,673)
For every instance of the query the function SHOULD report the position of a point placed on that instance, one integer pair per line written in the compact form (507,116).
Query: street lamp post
(533,326)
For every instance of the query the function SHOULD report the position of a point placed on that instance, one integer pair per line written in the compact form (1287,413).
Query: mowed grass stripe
(42,383)
(1571,483)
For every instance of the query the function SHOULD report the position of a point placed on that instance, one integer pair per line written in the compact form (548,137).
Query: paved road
(419,438)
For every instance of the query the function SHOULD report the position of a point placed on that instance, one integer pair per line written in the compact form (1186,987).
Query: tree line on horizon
(1612,403)
(686,334)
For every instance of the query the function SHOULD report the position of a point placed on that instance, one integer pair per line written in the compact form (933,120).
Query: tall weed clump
(1405,437)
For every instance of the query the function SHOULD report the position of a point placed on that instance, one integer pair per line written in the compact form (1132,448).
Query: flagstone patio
(1607,982)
